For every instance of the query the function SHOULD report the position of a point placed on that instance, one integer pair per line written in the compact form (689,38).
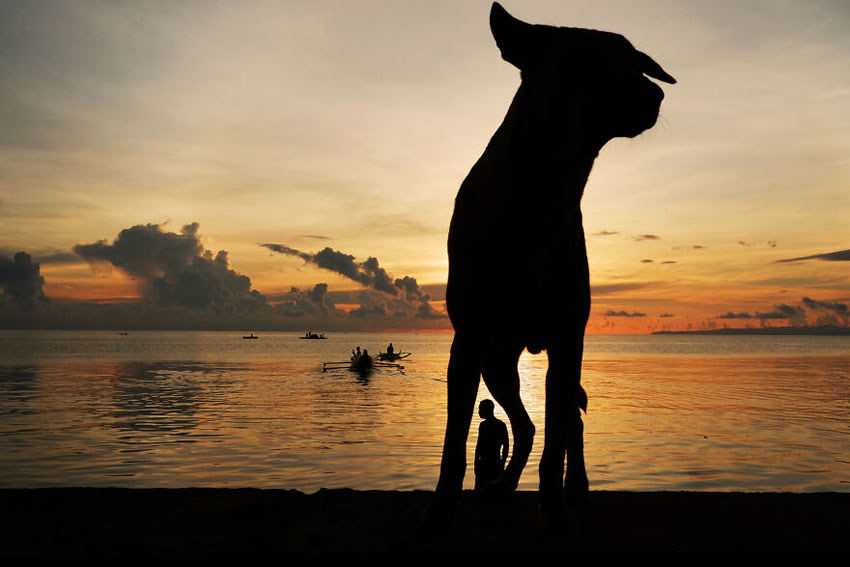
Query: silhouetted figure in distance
(520,205)
(364,360)
(491,450)
(390,350)
(355,353)
(362,363)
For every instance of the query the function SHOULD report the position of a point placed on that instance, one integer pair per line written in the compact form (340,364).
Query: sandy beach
(110,522)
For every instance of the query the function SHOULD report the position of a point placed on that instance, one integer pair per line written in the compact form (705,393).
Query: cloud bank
(612,313)
(369,273)
(839,256)
(641,237)
(827,313)
(21,281)
(174,269)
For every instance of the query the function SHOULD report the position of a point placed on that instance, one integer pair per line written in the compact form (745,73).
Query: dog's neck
(540,154)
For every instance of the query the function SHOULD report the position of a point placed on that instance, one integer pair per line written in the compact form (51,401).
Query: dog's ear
(513,37)
(653,69)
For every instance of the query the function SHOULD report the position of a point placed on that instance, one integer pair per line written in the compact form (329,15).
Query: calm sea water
(177,409)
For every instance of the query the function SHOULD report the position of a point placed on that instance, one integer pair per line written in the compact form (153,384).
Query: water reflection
(18,387)
(152,399)
(655,422)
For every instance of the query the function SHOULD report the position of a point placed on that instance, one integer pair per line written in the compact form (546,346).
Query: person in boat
(363,363)
(355,354)
(390,350)
(491,451)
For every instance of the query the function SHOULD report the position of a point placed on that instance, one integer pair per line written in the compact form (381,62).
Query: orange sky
(351,126)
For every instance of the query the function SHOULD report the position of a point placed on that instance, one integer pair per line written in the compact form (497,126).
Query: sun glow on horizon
(319,126)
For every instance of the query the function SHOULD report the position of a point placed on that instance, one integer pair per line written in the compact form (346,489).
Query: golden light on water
(174,409)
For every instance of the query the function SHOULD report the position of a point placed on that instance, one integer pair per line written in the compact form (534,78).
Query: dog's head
(593,76)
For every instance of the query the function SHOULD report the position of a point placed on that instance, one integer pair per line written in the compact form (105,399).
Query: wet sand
(134,523)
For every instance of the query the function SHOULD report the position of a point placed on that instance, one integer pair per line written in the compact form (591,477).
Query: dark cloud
(744,244)
(830,313)
(641,237)
(411,288)
(692,247)
(835,311)
(612,313)
(281,249)
(782,311)
(342,264)
(298,303)
(772,244)
(319,293)
(436,292)
(21,281)
(839,256)
(373,307)
(608,289)
(146,251)
(59,258)
(175,270)
(413,300)
(377,310)
(426,311)
(368,273)
(646,261)
(795,315)
(839,308)
(605,233)
(380,279)
(669,262)
(807,281)
(316,236)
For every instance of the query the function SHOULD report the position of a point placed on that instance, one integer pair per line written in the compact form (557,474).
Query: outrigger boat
(393,356)
(251,336)
(364,364)
(313,336)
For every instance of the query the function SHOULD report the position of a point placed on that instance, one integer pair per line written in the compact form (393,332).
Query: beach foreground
(87,522)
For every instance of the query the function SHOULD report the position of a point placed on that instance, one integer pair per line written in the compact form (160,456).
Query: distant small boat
(313,336)
(123,333)
(251,336)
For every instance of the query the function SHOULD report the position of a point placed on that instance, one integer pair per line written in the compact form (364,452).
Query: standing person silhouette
(491,451)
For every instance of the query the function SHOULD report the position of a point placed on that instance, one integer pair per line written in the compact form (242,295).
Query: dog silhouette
(518,270)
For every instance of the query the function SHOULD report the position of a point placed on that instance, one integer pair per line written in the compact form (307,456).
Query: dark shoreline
(815,331)
(114,522)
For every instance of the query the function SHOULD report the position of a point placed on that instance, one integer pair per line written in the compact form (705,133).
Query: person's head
(366,351)
(485,409)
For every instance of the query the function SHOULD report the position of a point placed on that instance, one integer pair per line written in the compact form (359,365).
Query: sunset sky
(350,125)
